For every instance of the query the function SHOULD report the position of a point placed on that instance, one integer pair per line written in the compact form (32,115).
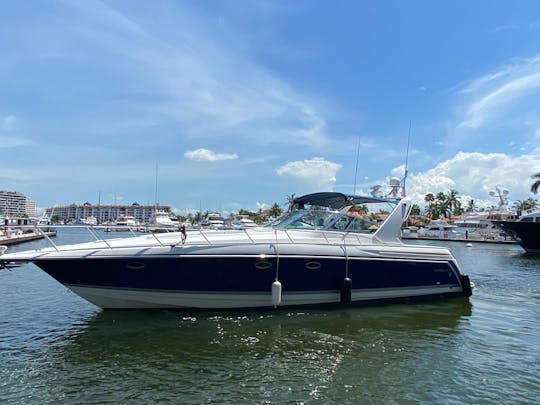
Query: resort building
(30,208)
(13,204)
(104,213)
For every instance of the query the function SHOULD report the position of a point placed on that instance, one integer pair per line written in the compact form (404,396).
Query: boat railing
(208,237)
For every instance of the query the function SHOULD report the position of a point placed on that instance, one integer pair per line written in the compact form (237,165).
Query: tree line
(448,204)
(436,206)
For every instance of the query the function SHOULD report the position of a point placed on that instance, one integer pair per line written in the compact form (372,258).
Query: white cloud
(206,155)
(497,92)
(262,206)
(475,175)
(316,174)
(204,81)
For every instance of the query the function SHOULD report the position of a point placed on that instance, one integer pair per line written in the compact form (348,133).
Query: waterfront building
(12,204)
(105,213)
(30,208)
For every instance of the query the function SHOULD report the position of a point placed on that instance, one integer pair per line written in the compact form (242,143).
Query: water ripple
(55,347)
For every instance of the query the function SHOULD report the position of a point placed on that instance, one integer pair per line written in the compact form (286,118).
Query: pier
(24,237)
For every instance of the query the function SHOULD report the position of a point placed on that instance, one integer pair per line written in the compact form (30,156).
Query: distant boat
(88,221)
(44,224)
(244,223)
(525,231)
(126,221)
(162,220)
(213,221)
(480,225)
(439,229)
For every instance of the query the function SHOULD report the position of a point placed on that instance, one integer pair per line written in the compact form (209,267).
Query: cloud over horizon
(206,155)
(474,175)
(316,174)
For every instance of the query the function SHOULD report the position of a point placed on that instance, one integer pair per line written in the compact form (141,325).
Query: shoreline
(4,240)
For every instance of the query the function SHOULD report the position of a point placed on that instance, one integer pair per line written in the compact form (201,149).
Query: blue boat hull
(246,281)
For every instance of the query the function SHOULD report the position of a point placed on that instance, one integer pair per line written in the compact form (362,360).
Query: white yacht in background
(481,226)
(127,221)
(163,221)
(439,229)
(244,223)
(213,221)
(88,221)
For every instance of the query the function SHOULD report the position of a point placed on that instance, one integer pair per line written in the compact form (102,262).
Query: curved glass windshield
(327,220)
(306,219)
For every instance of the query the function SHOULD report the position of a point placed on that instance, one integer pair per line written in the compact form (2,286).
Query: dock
(25,237)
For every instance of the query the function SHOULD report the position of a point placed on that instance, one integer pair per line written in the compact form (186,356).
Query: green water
(57,348)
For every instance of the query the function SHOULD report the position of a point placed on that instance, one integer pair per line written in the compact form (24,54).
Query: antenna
(156,195)
(356,169)
(403,192)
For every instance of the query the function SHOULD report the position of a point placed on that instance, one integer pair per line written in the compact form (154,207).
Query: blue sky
(241,103)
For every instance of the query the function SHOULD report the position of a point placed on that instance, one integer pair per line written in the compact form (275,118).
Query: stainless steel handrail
(330,237)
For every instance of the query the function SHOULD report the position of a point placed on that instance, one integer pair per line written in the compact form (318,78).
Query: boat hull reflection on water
(335,260)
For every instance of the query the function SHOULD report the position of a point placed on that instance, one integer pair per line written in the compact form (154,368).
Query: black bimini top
(335,200)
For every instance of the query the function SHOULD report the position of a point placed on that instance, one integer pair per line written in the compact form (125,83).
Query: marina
(508,240)
(57,347)
(270,202)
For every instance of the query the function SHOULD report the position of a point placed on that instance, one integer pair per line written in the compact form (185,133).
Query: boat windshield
(327,220)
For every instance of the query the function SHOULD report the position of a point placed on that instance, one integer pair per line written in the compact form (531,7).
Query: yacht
(244,223)
(525,231)
(439,229)
(163,221)
(213,221)
(480,225)
(88,221)
(310,258)
(126,220)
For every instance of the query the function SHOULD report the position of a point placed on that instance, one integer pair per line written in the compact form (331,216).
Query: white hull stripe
(128,298)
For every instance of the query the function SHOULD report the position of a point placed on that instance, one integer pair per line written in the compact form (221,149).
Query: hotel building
(104,213)
(13,204)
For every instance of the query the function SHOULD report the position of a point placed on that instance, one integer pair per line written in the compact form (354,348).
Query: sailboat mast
(156,191)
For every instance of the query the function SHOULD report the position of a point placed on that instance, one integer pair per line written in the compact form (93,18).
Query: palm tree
(429,198)
(471,206)
(415,210)
(430,209)
(443,207)
(453,202)
(361,209)
(276,210)
(536,185)
(533,204)
(528,204)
